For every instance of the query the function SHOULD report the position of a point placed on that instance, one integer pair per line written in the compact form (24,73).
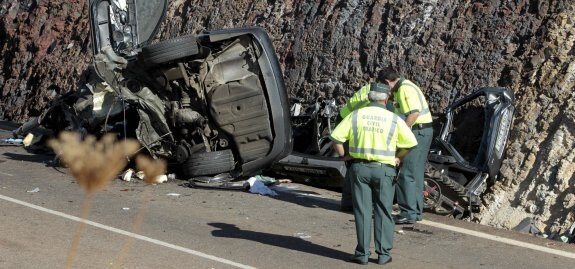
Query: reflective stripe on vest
(392,130)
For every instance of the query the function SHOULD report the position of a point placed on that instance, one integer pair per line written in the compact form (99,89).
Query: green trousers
(409,188)
(372,192)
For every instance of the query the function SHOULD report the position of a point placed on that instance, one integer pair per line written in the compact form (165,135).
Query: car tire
(169,50)
(208,163)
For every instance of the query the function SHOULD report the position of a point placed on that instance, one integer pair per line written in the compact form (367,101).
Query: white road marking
(126,233)
(6,174)
(490,237)
(499,239)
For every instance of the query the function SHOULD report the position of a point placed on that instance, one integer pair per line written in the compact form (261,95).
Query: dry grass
(152,169)
(93,164)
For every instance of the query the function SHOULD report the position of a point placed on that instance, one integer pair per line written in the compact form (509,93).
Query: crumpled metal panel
(240,109)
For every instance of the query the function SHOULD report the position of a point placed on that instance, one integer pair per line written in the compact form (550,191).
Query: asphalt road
(207,228)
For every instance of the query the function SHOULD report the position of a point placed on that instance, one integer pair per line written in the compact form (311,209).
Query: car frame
(454,184)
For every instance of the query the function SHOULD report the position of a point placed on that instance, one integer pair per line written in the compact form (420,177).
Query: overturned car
(463,161)
(210,103)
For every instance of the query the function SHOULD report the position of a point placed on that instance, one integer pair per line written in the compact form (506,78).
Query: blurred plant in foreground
(152,169)
(94,164)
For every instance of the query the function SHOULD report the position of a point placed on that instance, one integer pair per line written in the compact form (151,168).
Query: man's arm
(400,153)
(340,150)
(411,118)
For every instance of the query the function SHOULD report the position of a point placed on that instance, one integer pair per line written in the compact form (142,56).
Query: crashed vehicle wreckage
(215,106)
(463,161)
(210,103)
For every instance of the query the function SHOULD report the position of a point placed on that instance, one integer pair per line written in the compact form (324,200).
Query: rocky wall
(44,48)
(448,47)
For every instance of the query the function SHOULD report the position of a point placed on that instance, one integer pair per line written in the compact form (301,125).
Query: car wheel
(431,194)
(208,163)
(169,50)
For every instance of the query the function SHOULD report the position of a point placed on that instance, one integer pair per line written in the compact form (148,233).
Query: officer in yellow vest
(358,100)
(377,140)
(413,107)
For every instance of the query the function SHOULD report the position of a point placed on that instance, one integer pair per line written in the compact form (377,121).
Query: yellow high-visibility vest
(374,134)
(410,100)
(358,100)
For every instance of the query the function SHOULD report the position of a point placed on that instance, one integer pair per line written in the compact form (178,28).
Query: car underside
(209,103)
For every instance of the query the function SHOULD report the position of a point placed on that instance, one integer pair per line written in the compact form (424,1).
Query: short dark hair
(387,73)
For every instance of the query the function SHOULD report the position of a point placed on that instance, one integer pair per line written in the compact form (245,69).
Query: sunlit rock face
(448,47)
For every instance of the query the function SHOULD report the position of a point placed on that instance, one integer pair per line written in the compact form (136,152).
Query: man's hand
(339,149)
(397,161)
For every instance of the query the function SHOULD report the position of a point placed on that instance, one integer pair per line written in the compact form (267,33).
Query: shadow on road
(37,158)
(287,242)
(8,125)
(46,159)
(308,199)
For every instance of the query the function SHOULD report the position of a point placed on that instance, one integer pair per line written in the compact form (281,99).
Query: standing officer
(414,107)
(358,100)
(377,137)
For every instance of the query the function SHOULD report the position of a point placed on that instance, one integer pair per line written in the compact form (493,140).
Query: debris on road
(140,175)
(257,186)
(161,179)
(127,175)
(220,181)
(13,141)
(173,194)
(28,140)
(268,181)
(34,190)
(153,169)
(528,226)
(302,235)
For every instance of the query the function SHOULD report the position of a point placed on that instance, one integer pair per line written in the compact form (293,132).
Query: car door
(124,25)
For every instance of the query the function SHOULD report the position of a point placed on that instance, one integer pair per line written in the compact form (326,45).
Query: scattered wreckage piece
(12,141)
(141,175)
(220,181)
(256,184)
